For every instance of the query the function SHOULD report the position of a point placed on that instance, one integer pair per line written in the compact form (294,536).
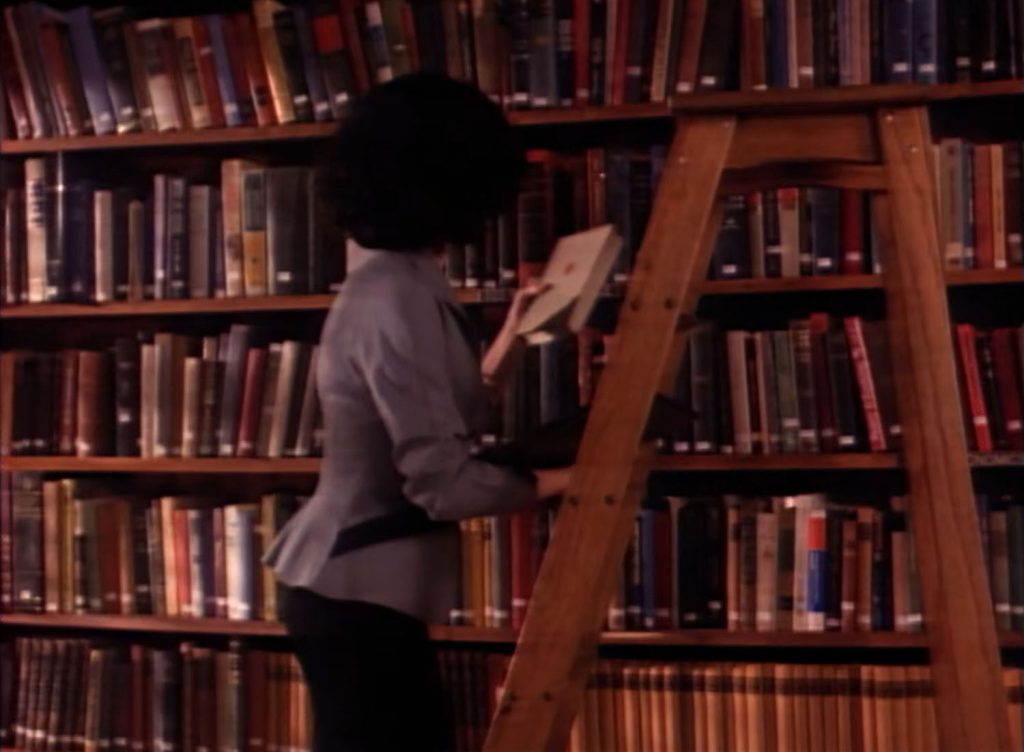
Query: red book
(182,570)
(974,398)
(621,52)
(11,84)
(220,570)
(108,532)
(1009,386)
(252,402)
(245,55)
(354,42)
(581,51)
(139,738)
(851,231)
(59,75)
(255,684)
(865,383)
(819,326)
(663,569)
(521,527)
(208,73)
(984,247)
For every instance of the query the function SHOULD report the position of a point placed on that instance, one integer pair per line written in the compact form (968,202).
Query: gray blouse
(403,400)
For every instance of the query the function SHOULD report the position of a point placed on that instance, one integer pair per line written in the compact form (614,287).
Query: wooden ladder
(883,147)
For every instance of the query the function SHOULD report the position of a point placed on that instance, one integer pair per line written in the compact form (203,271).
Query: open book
(573,278)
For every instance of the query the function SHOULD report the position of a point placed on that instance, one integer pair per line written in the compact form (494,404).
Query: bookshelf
(559,129)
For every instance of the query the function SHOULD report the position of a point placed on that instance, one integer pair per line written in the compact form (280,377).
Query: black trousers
(372,675)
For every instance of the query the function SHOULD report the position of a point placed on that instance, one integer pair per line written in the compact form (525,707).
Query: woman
(373,557)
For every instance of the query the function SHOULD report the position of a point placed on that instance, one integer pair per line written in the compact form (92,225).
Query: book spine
(817,571)
(254,231)
(231,216)
(972,390)
(232,83)
(156,58)
(194,96)
(120,86)
(93,74)
(898,41)
(177,274)
(329,43)
(865,384)
(315,75)
(291,58)
(206,61)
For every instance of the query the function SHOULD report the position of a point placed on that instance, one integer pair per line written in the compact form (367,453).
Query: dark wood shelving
(770,462)
(727,101)
(477,296)
(443,633)
(835,98)
(167,465)
(683,463)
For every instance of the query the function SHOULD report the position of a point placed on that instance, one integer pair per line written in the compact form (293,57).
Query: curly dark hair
(423,159)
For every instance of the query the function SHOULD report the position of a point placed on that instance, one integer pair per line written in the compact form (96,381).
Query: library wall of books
(166,264)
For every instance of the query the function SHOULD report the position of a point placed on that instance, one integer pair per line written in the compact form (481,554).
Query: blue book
(967,154)
(817,572)
(225,83)
(897,41)
(777,27)
(92,71)
(824,207)
(314,76)
(648,570)
(925,25)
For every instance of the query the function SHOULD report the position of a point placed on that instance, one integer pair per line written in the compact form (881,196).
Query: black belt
(402,523)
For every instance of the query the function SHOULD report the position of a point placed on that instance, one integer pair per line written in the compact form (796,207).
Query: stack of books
(75,546)
(109,70)
(782,564)
(167,395)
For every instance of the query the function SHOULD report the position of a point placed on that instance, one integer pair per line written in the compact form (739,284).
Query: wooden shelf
(308,131)
(442,633)
(970,277)
(726,101)
(479,296)
(776,462)
(175,465)
(835,98)
(207,306)
(684,463)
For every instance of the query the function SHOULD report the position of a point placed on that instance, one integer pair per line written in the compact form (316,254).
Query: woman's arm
(492,366)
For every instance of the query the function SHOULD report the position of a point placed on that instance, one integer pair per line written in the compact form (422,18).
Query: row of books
(99,72)
(659,705)
(981,203)
(991,369)
(71,238)
(170,395)
(783,564)
(70,695)
(1002,537)
(71,546)
(822,385)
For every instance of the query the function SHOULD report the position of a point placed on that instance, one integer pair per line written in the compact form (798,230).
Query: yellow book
(675,708)
(1015,700)
(631,741)
(715,707)
(700,712)
(785,734)
(757,727)
(254,230)
(830,703)
(736,703)
(801,708)
(867,706)
(844,709)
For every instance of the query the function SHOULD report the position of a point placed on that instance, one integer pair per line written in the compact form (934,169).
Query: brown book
(140,84)
(815,692)
(255,689)
(865,521)
(51,545)
(804,37)
(220,573)
(155,40)
(690,46)
(211,375)
(754,71)
(252,394)
(207,72)
(294,360)
(900,594)
(998,179)
(61,73)
(192,388)
(310,408)
(263,11)
(830,700)
(984,242)
(801,709)
(849,573)
(232,217)
(244,50)
(94,422)
(999,568)
(254,231)
(7,368)
(195,97)
(182,553)
(108,534)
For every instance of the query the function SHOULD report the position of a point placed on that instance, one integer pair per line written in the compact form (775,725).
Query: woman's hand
(552,482)
(506,339)
(520,303)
